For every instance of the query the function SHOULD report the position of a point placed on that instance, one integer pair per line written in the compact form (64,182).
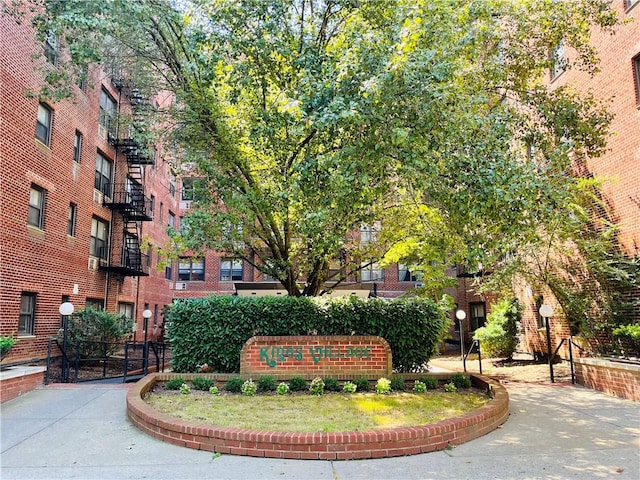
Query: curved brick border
(323,446)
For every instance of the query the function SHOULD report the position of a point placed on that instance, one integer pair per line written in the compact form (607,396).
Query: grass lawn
(309,413)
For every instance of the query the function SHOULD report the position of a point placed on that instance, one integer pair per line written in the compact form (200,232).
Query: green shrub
(631,332)
(430,382)
(267,383)
(100,333)
(297,384)
(460,380)
(499,337)
(184,389)
(450,387)
(6,344)
(282,389)
(383,385)
(213,390)
(349,387)
(317,386)
(249,388)
(213,330)
(397,384)
(234,385)
(331,385)
(362,384)
(202,383)
(174,383)
(419,387)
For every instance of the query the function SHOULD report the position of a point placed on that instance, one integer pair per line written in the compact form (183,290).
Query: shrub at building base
(498,338)
(214,329)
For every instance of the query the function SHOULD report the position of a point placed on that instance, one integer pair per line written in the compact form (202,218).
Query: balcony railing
(130,202)
(128,262)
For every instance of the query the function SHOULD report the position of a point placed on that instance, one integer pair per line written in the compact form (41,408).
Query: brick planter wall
(318,446)
(614,378)
(18,380)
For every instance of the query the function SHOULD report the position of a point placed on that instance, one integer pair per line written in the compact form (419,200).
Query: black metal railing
(131,202)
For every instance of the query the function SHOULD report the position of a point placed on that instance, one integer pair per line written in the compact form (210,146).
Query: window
(230,269)
(51,47)
(36,206)
(96,303)
(371,272)
(171,219)
(629,3)
(126,309)
(477,316)
(26,324)
(172,185)
(71,220)
(190,188)
(369,233)
(161,214)
(636,76)
(405,275)
(104,167)
(191,269)
(43,124)
(558,61)
(99,235)
(168,270)
(539,319)
(64,299)
(77,147)
(152,205)
(107,110)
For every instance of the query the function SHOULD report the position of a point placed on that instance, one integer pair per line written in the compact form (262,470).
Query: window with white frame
(369,233)
(71,219)
(27,321)
(43,124)
(36,206)
(231,269)
(558,61)
(172,185)
(371,272)
(108,108)
(405,274)
(191,269)
(126,309)
(99,237)
(77,147)
(630,3)
(190,187)
(477,315)
(104,169)
(52,47)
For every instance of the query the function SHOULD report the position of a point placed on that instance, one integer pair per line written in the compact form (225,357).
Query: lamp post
(461,315)
(65,310)
(546,312)
(146,315)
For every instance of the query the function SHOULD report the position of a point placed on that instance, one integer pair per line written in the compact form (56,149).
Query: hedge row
(213,330)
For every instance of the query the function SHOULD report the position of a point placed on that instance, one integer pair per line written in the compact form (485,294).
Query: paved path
(554,432)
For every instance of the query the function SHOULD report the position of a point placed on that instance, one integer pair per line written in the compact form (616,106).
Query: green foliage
(213,390)
(234,385)
(498,338)
(450,387)
(460,380)
(419,387)
(317,386)
(174,383)
(282,389)
(297,384)
(331,385)
(266,383)
(383,386)
(349,387)
(430,382)
(249,388)
(6,344)
(397,384)
(184,389)
(629,331)
(202,383)
(98,331)
(213,330)
(362,384)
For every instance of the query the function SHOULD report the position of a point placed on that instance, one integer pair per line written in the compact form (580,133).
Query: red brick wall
(310,356)
(614,378)
(17,385)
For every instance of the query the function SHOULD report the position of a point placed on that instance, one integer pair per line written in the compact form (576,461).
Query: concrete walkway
(555,431)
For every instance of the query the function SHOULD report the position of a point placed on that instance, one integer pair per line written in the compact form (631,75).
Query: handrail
(464,357)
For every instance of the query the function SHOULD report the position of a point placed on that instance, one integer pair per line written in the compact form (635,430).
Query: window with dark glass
(104,169)
(95,303)
(71,220)
(230,269)
(168,270)
(43,124)
(191,269)
(26,323)
(99,236)
(172,185)
(51,47)
(36,206)
(477,315)
(107,110)
(636,76)
(171,219)
(77,147)
(405,275)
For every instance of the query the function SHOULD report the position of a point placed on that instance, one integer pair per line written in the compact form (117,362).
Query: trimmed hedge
(213,330)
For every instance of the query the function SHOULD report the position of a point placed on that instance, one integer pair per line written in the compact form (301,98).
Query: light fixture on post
(461,315)
(546,312)
(146,315)
(65,310)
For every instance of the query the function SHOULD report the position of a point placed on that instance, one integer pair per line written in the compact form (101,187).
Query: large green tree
(307,119)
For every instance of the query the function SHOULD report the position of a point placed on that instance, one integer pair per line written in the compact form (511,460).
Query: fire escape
(128,200)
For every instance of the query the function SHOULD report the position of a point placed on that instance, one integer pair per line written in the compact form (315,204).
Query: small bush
(317,386)
(430,382)
(450,387)
(201,383)
(282,389)
(267,383)
(331,385)
(184,389)
(234,385)
(249,388)
(362,384)
(297,384)
(419,387)
(174,383)
(460,380)
(213,390)
(349,387)
(397,384)
(499,337)
(383,385)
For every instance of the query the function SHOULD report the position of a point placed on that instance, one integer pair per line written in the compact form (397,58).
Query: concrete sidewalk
(555,431)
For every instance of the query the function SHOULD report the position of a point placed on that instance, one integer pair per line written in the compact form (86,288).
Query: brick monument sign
(343,357)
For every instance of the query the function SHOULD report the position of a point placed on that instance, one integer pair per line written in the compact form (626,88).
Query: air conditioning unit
(94,262)
(419,284)
(97,196)
(185,205)
(181,286)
